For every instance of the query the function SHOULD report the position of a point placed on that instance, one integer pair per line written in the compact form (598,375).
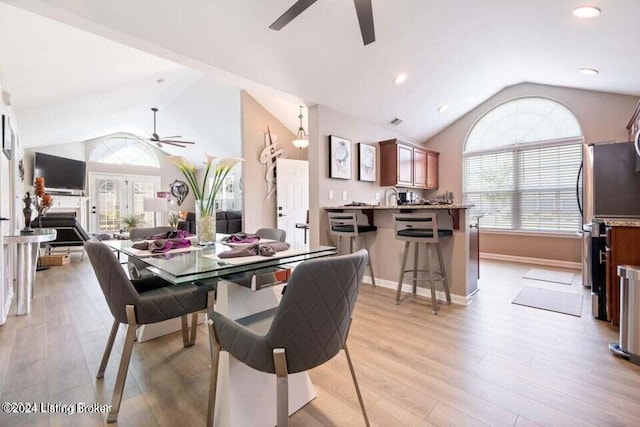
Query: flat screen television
(59,172)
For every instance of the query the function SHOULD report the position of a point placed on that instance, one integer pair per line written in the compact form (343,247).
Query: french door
(114,196)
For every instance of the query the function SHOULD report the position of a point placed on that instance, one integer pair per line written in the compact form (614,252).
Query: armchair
(70,232)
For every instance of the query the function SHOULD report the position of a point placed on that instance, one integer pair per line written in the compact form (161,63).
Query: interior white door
(292,197)
(114,196)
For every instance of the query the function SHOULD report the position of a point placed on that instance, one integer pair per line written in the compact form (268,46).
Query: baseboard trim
(423,292)
(529,260)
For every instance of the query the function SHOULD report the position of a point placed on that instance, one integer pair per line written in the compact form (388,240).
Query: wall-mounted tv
(59,172)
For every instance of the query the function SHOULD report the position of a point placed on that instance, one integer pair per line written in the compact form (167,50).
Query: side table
(27,246)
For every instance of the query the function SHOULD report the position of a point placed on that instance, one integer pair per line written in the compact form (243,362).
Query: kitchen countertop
(621,222)
(376,207)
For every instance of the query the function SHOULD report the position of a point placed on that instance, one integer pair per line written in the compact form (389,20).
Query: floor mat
(560,302)
(549,276)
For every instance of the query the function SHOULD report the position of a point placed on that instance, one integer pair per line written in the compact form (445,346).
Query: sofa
(227,222)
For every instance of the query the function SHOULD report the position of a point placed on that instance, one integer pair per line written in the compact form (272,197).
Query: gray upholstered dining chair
(141,233)
(138,269)
(140,302)
(318,306)
(272,234)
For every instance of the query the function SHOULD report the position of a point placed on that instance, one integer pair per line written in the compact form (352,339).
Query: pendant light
(301,141)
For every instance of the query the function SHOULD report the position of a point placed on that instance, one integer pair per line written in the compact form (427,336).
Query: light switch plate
(330,194)
(377,197)
(344,195)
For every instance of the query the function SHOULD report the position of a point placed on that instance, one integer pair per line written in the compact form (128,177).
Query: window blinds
(526,188)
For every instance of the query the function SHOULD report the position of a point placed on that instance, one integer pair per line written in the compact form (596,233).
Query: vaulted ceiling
(455,52)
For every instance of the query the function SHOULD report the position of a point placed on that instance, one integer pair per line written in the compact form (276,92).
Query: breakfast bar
(460,251)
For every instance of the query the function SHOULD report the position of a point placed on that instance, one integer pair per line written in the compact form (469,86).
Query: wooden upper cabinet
(433,166)
(419,168)
(406,165)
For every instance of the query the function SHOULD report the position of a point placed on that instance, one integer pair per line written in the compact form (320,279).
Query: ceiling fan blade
(365,18)
(172,141)
(295,10)
(172,136)
(175,144)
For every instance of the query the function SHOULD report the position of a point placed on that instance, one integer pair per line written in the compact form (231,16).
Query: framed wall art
(7,136)
(367,162)
(339,157)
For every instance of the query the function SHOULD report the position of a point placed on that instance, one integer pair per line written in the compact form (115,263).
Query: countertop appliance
(610,189)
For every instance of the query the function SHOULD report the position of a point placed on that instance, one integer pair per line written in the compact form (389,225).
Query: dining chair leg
(415,268)
(373,278)
(124,365)
(402,265)
(355,383)
(213,380)
(107,350)
(443,272)
(432,282)
(282,387)
(185,330)
(194,328)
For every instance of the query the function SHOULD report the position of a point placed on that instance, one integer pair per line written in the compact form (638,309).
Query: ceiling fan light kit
(156,139)
(364,11)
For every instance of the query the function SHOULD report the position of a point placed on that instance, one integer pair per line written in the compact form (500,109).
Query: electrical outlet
(377,197)
(330,194)
(344,195)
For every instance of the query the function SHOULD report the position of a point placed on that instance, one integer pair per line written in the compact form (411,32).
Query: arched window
(123,150)
(521,165)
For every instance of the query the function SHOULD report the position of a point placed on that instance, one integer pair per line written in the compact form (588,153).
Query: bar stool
(422,228)
(343,224)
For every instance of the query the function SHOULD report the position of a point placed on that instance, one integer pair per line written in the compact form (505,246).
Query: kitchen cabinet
(407,165)
(419,168)
(623,247)
(433,161)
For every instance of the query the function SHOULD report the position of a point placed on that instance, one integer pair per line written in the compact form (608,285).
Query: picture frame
(367,162)
(339,157)
(7,136)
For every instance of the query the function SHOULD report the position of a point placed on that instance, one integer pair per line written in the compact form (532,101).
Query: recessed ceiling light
(400,78)
(443,108)
(589,71)
(586,12)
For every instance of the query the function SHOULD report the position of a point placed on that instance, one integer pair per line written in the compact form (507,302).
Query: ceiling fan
(155,138)
(363,10)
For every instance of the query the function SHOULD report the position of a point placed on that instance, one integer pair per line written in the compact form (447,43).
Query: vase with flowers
(43,200)
(205,191)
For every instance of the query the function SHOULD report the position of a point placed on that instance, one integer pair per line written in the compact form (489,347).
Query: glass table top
(201,263)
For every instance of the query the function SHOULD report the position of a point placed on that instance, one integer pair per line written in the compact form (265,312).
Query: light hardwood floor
(492,363)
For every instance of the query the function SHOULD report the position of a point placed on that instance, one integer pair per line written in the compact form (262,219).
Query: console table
(27,246)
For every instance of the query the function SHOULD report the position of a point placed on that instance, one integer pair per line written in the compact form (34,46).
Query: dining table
(248,289)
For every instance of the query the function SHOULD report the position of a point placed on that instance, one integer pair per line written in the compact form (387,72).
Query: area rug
(549,276)
(560,302)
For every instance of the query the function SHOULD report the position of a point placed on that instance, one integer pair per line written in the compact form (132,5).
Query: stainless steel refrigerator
(610,189)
